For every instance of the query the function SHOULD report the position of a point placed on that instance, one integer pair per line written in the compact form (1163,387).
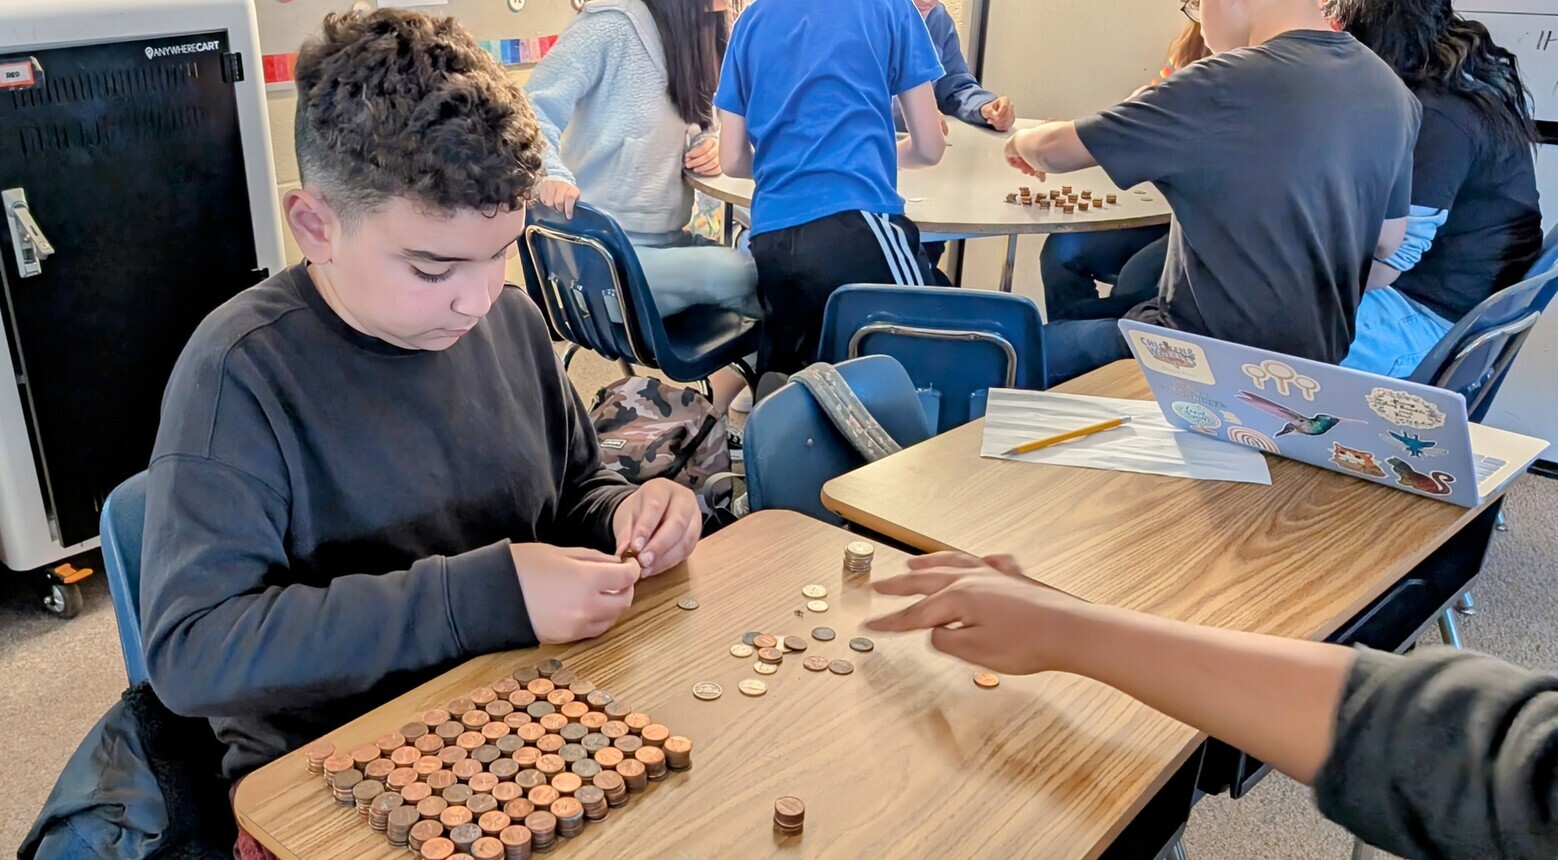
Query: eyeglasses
(1192,10)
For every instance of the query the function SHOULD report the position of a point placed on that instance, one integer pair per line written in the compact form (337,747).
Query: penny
(708,691)
(364,754)
(609,757)
(582,687)
(752,687)
(440,780)
(435,718)
(841,667)
(750,638)
(504,686)
(616,710)
(741,649)
(688,603)
(404,757)
(987,679)
(637,721)
(437,848)
(543,795)
(814,591)
(549,667)
(593,720)
(586,768)
(823,634)
(499,709)
(861,644)
(537,710)
(558,698)
(526,674)
(550,743)
(493,731)
(764,668)
(816,663)
(432,807)
(450,755)
(628,743)
(550,764)
(574,710)
(488,848)
(521,698)
(770,655)
(794,643)
(654,734)
(503,768)
(763,640)
(516,838)
(483,783)
(540,686)
(390,742)
(518,808)
(469,741)
(563,677)
(482,696)
(460,706)
(531,732)
(464,770)
(454,816)
(553,722)
(599,699)
(567,783)
(381,768)
(817,605)
(616,728)
(416,793)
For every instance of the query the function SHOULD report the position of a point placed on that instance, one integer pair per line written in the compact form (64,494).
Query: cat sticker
(1355,461)
(1435,483)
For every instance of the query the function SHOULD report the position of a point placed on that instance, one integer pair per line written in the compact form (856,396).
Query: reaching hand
(572,593)
(1003,620)
(703,159)
(661,523)
(999,113)
(559,195)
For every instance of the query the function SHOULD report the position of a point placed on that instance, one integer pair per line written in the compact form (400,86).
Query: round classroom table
(964,196)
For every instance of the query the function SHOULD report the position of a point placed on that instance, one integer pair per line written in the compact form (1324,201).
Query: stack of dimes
(398,825)
(516,842)
(543,830)
(678,752)
(858,556)
(314,756)
(789,815)
(365,793)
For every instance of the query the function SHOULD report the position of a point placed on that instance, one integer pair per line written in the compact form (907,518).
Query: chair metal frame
(968,335)
(618,290)
(1517,330)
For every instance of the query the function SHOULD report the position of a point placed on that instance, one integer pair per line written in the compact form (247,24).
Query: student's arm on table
(1053,147)
(1439,754)
(735,151)
(958,92)
(927,139)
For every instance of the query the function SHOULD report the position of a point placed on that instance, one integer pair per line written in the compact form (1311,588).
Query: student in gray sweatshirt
(1440,754)
(624,100)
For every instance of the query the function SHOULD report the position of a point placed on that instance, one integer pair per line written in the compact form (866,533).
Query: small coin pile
(771,651)
(858,557)
(504,770)
(1064,199)
(789,815)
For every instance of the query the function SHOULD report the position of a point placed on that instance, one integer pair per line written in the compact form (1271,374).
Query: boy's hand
(559,195)
(703,159)
(572,593)
(661,522)
(999,113)
(1005,621)
(1015,159)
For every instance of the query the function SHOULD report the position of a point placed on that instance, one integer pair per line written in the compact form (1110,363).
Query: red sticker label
(18,73)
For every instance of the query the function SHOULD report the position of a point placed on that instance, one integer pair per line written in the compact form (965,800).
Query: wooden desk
(1297,558)
(904,758)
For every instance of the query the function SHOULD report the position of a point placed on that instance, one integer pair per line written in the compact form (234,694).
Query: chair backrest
(792,447)
(1549,258)
(955,344)
(1473,357)
(577,267)
(121,527)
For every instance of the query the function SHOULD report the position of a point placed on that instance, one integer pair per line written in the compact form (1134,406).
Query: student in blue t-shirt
(806,109)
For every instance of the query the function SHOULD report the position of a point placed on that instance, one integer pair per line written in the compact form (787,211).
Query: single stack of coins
(678,752)
(343,784)
(464,836)
(314,756)
(633,773)
(858,556)
(653,760)
(398,825)
(383,805)
(488,848)
(516,842)
(615,788)
(422,832)
(594,802)
(543,829)
(365,793)
(789,815)
(1112,198)
(333,765)
(570,817)
(438,848)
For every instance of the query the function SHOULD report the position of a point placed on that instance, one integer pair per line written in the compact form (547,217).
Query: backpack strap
(843,407)
(691,447)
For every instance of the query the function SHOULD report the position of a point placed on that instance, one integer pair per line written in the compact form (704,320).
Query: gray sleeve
(1445,754)
(566,75)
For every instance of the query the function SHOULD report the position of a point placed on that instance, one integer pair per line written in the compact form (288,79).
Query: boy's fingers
(1004,563)
(923,582)
(948,558)
(612,578)
(938,610)
(647,514)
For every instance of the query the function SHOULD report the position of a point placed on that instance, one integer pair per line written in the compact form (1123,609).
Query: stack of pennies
(858,556)
(502,771)
(789,815)
(1112,198)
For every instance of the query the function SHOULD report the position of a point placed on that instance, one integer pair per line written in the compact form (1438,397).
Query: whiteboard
(1529,28)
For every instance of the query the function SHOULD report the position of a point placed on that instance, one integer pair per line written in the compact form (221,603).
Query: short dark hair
(398,104)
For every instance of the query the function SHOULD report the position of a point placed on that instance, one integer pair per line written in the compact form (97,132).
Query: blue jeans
(685,270)
(1075,347)
(1070,263)
(1393,333)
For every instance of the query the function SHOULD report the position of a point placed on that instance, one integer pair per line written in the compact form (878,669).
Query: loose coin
(708,691)
(987,679)
(823,634)
(753,687)
(841,667)
(817,605)
(794,643)
(861,644)
(770,655)
(548,667)
(816,663)
(688,603)
(765,641)
(741,650)
(814,591)
(750,638)
(764,668)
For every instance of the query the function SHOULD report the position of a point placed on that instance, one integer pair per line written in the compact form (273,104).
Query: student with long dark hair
(1475,225)
(625,102)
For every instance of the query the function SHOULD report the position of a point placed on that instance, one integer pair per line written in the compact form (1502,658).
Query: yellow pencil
(1068,436)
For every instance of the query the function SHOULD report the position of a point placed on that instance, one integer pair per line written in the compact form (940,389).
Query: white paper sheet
(1148,444)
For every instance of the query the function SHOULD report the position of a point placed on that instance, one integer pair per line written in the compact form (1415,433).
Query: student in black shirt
(1475,225)
(1286,157)
(371,467)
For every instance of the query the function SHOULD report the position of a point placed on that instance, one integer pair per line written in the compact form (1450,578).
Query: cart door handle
(27,239)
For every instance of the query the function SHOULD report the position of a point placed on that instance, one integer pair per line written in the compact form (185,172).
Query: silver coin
(741,650)
(817,605)
(861,644)
(764,668)
(688,603)
(708,691)
(823,634)
(750,638)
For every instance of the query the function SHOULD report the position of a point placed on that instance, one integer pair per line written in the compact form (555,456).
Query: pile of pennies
(505,770)
(1064,199)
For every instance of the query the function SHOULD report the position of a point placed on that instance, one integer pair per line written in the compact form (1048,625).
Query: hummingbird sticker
(1297,422)
(1415,445)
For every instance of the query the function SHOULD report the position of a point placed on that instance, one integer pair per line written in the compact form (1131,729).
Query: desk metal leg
(728,231)
(1448,630)
(1177,851)
(1010,265)
(1465,605)
(1363,851)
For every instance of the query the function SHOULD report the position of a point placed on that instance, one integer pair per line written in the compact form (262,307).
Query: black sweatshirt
(328,516)
(1445,754)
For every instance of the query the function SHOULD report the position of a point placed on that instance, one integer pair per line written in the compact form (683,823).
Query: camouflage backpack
(648,429)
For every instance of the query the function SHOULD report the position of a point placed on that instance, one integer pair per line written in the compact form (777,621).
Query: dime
(750,638)
(861,644)
(814,591)
(741,650)
(764,668)
(817,605)
(688,603)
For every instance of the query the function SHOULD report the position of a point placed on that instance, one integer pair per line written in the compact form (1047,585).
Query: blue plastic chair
(120,529)
(575,268)
(792,447)
(955,344)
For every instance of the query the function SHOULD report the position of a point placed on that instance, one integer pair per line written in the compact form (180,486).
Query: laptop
(1390,431)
